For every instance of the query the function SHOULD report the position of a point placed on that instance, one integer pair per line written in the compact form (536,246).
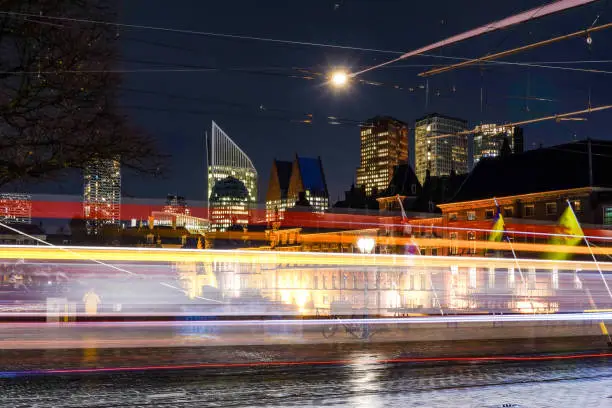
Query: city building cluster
(452,180)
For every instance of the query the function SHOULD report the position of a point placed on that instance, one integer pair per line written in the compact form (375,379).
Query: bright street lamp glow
(339,78)
(366,245)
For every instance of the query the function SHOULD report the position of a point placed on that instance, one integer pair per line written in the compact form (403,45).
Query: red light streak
(256,364)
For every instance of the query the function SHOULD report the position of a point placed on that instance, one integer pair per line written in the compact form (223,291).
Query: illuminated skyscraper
(226,159)
(384,145)
(16,208)
(102,194)
(229,204)
(489,138)
(437,149)
(230,174)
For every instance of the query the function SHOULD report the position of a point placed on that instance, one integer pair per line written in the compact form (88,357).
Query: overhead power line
(551,8)
(529,121)
(506,53)
(195,32)
(281,41)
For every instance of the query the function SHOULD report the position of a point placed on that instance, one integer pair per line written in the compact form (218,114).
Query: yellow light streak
(159,255)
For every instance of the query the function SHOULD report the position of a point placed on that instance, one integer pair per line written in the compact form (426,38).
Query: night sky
(176,108)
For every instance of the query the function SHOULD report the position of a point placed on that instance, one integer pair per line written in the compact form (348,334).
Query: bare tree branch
(52,120)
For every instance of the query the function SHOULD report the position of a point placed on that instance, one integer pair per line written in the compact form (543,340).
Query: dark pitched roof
(283,171)
(402,181)
(356,198)
(30,229)
(311,172)
(438,190)
(547,169)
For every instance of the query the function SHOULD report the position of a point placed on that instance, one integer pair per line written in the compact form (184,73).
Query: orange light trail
(267,257)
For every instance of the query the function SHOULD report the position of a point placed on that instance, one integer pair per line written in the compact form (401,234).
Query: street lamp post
(365,245)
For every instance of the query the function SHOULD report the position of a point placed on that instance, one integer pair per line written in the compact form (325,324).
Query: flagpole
(429,273)
(591,251)
(518,266)
(602,324)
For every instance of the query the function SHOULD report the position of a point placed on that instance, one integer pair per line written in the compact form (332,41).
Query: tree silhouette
(58,92)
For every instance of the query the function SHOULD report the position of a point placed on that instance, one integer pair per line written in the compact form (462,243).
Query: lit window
(607,216)
(454,249)
(471,215)
(472,237)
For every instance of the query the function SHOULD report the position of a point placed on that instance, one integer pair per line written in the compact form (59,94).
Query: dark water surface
(360,383)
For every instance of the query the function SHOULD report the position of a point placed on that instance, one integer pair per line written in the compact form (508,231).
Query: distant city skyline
(267,114)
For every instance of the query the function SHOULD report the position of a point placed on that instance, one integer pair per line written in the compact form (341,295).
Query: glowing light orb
(339,79)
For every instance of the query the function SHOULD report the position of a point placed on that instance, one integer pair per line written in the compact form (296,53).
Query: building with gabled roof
(303,179)
(404,186)
(533,188)
(277,195)
(307,176)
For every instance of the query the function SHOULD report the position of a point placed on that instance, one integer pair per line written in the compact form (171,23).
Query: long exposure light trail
(552,317)
(156,255)
(339,362)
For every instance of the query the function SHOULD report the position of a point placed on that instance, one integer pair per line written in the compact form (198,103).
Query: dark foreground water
(573,383)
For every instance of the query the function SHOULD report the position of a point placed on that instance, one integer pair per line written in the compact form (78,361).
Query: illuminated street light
(339,79)
(366,245)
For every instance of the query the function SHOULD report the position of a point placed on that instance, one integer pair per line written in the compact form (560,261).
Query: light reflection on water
(361,384)
(365,382)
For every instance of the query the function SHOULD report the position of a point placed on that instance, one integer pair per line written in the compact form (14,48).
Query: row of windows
(528,211)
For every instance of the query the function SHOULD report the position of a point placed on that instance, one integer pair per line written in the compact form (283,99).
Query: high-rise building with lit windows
(438,149)
(176,204)
(489,138)
(230,174)
(384,145)
(289,179)
(226,159)
(102,194)
(229,204)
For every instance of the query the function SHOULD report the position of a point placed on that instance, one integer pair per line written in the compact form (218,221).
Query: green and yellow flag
(497,233)
(570,226)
